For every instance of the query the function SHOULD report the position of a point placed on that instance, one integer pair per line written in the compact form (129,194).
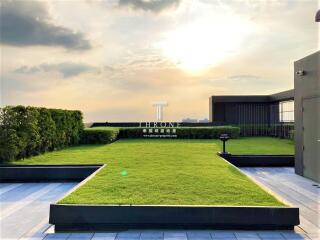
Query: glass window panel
(286,111)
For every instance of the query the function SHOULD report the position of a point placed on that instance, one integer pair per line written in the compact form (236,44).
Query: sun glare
(204,43)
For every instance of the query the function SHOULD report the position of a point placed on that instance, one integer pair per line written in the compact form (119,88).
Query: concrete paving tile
(270,235)
(198,235)
(57,236)
(246,234)
(25,219)
(175,238)
(29,238)
(199,238)
(250,238)
(128,235)
(273,238)
(81,236)
(294,236)
(223,234)
(175,234)
(77,238)
(154,235)
(224,238)
(152,238)
(314,236)
(104,236)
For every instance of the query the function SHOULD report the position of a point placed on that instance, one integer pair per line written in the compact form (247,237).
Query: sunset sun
(204,43)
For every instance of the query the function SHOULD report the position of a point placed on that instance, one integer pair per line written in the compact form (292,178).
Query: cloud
(67,69)
(244,77)
(27,23)
(150,5)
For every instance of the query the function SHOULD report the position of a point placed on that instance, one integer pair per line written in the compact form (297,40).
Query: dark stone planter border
(46,173)
(259,160)
(108,217)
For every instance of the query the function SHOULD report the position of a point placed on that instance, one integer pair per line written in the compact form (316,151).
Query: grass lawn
(259,145)
(173,172)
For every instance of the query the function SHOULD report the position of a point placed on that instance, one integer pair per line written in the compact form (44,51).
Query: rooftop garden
(166,171)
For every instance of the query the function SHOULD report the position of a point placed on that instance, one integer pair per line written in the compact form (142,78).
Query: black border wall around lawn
(70,217)
(259,160)
(108,217)
(46,173)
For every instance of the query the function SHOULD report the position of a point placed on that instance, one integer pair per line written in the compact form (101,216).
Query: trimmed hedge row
(107,135)
(208,132)
(99,136)
(275,130)
(187,132)
(28,131)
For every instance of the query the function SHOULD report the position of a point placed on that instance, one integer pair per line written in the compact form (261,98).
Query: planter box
(259,160)
(71,217)
(46,173)
(108,217)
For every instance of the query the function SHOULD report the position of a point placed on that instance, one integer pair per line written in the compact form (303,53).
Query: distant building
(189,120)
(252,109)
(204,120)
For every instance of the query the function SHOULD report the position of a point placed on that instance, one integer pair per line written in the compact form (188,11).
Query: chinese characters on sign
(159,129)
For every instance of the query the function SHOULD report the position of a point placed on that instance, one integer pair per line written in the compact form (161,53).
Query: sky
(112,58)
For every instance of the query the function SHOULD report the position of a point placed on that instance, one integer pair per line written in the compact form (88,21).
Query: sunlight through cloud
(205,42)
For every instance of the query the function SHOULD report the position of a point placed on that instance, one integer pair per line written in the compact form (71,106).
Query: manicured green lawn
(172,172)
(259,145)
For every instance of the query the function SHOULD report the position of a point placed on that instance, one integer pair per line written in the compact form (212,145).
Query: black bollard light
(224,137)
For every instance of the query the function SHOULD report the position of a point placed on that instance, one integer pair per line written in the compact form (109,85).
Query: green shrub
(47,130)
(99,136)
(291,134)
(28,131)
(207,132)
(276,130)
(186,132)
(9,144)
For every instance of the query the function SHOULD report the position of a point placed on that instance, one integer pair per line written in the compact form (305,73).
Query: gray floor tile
(270,235)
(128,235)
(81,236)
(295,236)
(248,238)
(154,235)
(198,235)
(222,234)
(273,238)
(224,238)
(246,234)
(175,234)
(58,236)
(78,238)
(104,236)
(175,238)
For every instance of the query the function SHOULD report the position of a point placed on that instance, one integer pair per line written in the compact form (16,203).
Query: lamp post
(224,137)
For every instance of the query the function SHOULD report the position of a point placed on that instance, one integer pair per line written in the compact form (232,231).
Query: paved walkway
(25,209)
(295,190)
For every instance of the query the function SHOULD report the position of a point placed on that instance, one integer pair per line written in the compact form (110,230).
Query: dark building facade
(260,109)
(307,115)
